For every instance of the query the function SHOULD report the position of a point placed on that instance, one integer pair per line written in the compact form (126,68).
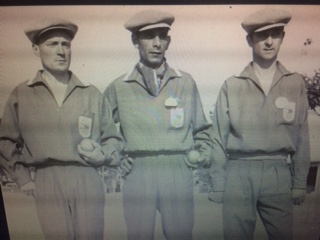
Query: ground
(23,222)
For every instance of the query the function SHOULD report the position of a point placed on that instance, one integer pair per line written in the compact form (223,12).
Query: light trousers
(70,202)
(261,186)
(163,183)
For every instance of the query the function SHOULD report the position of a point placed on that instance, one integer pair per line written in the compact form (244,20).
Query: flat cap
(266,19)
(149,19)
(45,25)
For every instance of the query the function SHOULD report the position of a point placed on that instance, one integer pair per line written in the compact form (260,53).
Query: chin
(156,63)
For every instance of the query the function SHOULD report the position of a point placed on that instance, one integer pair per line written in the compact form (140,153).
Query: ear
(249,40)
(169,41)
(36,50)
(134,39)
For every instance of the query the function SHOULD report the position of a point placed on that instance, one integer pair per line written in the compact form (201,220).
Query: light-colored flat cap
(266,19)
(45,25)
(149,19)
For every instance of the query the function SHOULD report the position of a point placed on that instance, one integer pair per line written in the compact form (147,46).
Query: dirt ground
(23,222)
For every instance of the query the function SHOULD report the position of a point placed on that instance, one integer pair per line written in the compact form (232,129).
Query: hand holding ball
(91,152)
(86,145)
(193,156)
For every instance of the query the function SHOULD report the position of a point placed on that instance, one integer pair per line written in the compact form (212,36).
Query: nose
(269,40)
(156,41)
(60,49)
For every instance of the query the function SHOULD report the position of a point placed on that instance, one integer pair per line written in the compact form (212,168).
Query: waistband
(257,157)
(154,153)
(59,163)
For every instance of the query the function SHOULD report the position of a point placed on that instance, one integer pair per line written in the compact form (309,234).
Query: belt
(246,156)
(154,153)
(54,163)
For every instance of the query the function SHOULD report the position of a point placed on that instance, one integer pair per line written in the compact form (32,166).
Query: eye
(276,34)
(261,35)
(66,44)
(163,36)
(147,35)
(52,43)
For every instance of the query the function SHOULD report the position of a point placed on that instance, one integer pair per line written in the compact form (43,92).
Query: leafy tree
(313,91)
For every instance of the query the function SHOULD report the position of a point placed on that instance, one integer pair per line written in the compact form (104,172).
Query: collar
(134,75)
(74,80)
(248,71)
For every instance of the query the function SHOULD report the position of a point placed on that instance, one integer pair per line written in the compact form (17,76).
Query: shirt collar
(134,74)
(248,71)
(74,80)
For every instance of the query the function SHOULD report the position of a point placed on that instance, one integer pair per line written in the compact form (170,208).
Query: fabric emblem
(289,111)
(176,117)
(289,108)
(85,126)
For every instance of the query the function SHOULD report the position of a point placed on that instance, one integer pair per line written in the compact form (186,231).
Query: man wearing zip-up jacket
(260,122)
(64,129)
(161,119)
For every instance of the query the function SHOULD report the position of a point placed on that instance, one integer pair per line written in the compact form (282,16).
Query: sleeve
(219,135)
(111,140)
(110,94)
(11,143)
(201,128)
(300,160)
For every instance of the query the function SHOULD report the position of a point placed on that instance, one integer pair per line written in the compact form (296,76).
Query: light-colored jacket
(247,124)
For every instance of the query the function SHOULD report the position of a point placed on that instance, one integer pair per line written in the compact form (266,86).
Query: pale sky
(207,42)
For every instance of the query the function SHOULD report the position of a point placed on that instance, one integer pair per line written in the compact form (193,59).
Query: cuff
(299,184)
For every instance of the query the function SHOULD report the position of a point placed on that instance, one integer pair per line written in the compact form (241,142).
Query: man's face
(266,44)
(54,49)
(152,45)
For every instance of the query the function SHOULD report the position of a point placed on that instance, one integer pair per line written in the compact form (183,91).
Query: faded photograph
(160,122)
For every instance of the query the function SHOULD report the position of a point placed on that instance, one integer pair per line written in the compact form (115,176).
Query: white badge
(289,111)
(85,126)
(171,102)
(281,102)
(176,117)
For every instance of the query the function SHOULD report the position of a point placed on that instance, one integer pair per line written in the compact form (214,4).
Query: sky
(207,41)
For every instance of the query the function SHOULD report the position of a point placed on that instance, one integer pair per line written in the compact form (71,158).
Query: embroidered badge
(176,117)
(289,111)
(85,126)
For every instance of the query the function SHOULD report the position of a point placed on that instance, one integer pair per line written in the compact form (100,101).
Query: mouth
(61,61)
(156,53)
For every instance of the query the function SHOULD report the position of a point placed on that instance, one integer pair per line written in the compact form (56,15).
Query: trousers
(258,186)
(159,183)
(70,202)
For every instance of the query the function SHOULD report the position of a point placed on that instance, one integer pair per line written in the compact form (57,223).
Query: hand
(216,197)
(28,189)
(92,153)
(116,161)
(205,154)
(126,165)
(195,159)
(298,196)
(204,161)
(189,164)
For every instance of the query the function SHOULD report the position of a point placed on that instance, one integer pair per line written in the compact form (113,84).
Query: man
(63,128)
(260,119)
(161,119)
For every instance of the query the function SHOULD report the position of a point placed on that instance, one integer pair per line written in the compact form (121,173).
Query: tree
(313,91)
